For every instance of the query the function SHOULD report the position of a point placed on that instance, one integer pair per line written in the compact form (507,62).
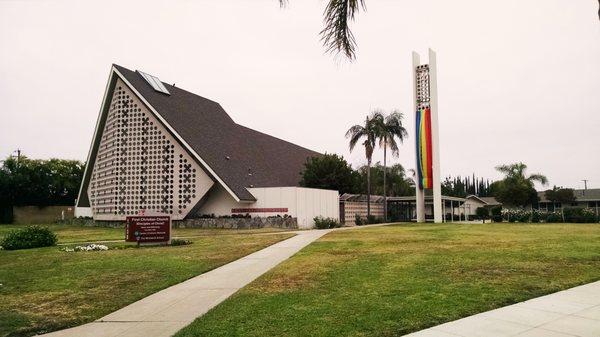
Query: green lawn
(46,289)
(389,281)
(77,233)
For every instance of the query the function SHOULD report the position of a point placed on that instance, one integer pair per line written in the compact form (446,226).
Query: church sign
(148,229)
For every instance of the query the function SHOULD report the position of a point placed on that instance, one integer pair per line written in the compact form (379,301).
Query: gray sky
(519,80)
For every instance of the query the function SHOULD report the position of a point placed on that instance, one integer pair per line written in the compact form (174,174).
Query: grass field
(76,233)
(47,289)
(389,281)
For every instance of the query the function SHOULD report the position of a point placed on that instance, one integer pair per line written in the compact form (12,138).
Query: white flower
(90,247)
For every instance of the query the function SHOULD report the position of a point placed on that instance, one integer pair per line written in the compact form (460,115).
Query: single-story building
(159,148)
(404,208)
(583,198)
(473,202)
(399,208)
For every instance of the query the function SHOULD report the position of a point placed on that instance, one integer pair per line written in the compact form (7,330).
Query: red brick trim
(259,210)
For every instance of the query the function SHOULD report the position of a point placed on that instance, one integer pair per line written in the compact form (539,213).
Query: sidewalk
(167,311)
(568,313)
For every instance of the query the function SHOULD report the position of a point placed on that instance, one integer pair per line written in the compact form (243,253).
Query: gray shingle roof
(240,156)
(591,194)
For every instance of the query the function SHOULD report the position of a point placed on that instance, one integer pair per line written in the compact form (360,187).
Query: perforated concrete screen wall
(423,96)
(140,166)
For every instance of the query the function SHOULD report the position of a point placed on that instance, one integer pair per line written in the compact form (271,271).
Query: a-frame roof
(235,156)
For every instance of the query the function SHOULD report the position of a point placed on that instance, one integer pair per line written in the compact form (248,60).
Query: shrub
(29,237)
(325,223)
(496,214)
(579,215)
(509,215)
(482,213)
(536,216)
(180,242)
(371,219)
(554,217)
(523,216)
(358,220)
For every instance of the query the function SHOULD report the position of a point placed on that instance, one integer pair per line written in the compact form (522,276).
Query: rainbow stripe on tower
(424,147)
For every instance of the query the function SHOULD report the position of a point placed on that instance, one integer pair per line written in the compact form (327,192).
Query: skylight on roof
(154,82)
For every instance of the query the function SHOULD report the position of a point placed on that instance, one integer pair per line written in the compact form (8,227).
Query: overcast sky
(519,80)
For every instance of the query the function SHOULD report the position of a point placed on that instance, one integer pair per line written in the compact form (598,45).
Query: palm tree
(517,188)
(388,129)
(368,131)
(516,171)
(336,35)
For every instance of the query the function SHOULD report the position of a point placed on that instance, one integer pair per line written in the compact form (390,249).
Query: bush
(523,216)
(482,213)
(180,242)
(536,216)
(358,220)
(579,215)
(371,219)
(325,223)
(29,237)
(554,217)
(496,214)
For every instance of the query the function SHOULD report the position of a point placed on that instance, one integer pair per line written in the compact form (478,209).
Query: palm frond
(539,178)
(390,129)
(336,35)
(504,169)
(355,133)
(368,149)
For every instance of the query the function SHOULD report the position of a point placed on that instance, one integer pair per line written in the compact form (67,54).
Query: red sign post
(148,229)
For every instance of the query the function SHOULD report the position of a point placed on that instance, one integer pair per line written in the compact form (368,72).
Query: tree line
(333,172)
(35,182)
(463,186)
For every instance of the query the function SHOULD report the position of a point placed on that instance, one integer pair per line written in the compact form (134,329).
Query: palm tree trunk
(368,188)
(385,215)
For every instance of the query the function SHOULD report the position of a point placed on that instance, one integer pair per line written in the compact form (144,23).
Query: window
(154,82)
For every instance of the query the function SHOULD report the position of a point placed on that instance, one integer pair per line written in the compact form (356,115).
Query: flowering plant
(87,248)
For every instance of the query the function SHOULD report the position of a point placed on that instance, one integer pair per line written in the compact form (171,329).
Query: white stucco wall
(83,212)
(302,203)
(472,204)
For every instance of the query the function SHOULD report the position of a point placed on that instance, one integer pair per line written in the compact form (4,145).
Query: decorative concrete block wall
(139,165)
(238,223)
(224,223)
(350,208)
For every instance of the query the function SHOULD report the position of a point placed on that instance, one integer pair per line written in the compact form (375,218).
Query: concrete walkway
(568,313)
(169,310)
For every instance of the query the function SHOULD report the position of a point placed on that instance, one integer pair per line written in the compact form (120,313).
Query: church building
(158,148)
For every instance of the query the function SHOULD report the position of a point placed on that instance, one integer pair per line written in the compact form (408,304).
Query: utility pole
(18,155)
(584,184)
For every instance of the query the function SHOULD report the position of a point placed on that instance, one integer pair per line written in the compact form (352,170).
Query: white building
(159,148)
